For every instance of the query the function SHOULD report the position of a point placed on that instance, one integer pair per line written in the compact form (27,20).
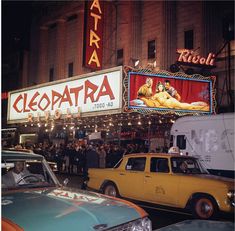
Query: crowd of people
(76,157)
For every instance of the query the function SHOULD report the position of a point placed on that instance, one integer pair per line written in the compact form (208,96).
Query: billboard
(170,92)
(90,94)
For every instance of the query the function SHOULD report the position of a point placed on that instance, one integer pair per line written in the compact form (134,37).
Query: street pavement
(159,217)
(75,181)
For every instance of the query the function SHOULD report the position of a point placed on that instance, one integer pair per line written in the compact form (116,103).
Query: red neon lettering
(105,89)
(202,60)
(76,91)
(93,87)
(184,56)
(25,101)
(45,96)
(66,97)
(55,98)
(4,95)
(20,97)
(32,103)
(188,57)
(196,59)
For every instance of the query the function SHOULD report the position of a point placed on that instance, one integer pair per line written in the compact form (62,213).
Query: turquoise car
(36,201)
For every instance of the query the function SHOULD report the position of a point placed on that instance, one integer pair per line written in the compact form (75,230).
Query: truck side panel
(210,138)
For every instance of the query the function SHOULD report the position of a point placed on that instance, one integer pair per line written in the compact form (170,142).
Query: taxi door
(131,180)
(161,187)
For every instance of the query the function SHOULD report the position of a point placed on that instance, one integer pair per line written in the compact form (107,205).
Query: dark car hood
(65,209)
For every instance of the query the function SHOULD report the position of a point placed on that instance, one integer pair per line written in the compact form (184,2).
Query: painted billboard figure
(146,89)
(171,90)
(166,100)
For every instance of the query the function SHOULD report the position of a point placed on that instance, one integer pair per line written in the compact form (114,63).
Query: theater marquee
(90,94)
(170,92)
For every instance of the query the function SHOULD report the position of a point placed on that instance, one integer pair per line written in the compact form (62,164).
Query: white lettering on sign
(76,196)
(96,93)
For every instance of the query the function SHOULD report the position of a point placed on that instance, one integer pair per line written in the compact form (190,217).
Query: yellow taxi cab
(166,179)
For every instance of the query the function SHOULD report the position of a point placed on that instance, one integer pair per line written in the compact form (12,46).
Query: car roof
(157,155)
(20,155)
(18,150)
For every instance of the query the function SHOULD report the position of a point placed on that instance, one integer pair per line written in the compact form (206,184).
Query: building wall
(189,17)
(128,25)
(151,29)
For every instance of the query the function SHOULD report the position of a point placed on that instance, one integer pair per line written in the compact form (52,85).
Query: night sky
(16,17)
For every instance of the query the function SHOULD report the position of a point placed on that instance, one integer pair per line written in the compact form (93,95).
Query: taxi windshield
(28,173)
(187,166)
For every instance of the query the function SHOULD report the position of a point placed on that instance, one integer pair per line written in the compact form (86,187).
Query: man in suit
(16,175)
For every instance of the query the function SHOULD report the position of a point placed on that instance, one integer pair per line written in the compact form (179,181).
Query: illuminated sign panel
(163,92)
(94,94)
(189,57)
(93,34)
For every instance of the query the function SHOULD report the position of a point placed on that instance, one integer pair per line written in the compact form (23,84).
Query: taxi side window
(159,165)
(136,164)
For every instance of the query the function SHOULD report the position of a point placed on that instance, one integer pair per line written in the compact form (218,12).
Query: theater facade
(87,72)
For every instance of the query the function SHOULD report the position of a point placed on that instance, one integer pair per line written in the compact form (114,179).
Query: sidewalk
(75,181)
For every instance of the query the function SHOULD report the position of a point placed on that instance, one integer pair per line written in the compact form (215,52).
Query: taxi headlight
(142,225)
(230,194)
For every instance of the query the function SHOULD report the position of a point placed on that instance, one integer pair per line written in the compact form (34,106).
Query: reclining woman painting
(163,99)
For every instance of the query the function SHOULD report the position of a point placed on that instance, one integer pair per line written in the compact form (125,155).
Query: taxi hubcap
(110,190)
(204,208)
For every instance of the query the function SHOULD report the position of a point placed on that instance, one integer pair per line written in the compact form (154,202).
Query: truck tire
(111,189)
(204,207)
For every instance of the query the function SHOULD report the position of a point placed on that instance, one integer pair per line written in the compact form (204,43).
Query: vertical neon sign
(93,34)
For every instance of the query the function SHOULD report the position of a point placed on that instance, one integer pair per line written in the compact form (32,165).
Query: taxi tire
(204,207)
(111,189)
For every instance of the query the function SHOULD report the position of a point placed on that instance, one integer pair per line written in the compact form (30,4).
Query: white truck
(210,138)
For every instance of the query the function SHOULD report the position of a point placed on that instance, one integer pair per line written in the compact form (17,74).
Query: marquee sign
(190,58)
(93,34)
(89,94)
(172,93)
